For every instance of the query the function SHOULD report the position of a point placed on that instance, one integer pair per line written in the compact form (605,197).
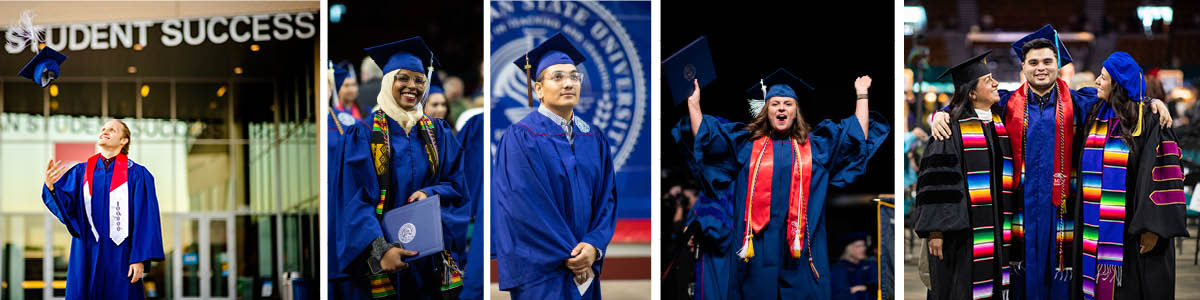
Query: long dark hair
(961,102)
(761,126)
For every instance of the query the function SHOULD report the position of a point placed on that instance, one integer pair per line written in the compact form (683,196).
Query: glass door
(204,261)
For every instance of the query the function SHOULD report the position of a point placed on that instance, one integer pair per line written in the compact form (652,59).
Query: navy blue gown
(840,154)
(352,190)
(471,139)
(1036,277)
(410,173)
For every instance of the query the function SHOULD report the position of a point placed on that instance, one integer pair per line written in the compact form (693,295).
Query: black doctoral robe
(1155,203)
(945,206)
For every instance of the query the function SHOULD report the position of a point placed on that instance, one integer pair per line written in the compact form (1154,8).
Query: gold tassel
(1137,131)
(750,247)
(528,80)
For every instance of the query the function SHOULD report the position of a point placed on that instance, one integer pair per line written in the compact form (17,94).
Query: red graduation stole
(1064,118)
(118,198)
(758,197)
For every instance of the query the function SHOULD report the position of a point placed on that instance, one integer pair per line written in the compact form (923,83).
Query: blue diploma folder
(694,61)
(417,226)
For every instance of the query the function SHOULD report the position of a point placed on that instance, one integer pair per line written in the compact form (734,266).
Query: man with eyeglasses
(553,186)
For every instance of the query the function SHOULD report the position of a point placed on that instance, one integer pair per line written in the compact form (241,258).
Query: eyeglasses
(559,76)
(418,80)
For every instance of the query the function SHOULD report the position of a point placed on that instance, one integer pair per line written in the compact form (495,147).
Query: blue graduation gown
(548,195)
(99,269)
(715,267)
(840,154)
(352,190)
(1041,248)
(471,139)
(847,274)
(410,173)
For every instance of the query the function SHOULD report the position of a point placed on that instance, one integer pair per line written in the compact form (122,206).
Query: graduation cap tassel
(764,88)
(528,80)
(333,98)
(1058,51)
(428,81)
(25,30)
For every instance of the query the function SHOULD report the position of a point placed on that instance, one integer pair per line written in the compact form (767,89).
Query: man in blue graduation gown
(553,187)
(356,244)
(1048,113)
(780,241)
(109,206)
(416,157)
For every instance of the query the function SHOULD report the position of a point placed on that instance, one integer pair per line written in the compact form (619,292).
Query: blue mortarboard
(694,61)
(780,83)
(43,68)
(1125,71)
(410,54)
(416,226)
(556,50)
(435,84)
(968,70)
(1048,33)
(339,76)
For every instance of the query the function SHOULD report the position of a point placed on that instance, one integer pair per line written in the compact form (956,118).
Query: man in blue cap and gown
(553,186)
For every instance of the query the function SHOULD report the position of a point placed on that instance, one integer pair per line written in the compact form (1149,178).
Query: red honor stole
(1064,119)
(118,198)
(758,196)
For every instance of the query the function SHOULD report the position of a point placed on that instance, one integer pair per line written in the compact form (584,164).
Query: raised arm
(861,85)
(693,103)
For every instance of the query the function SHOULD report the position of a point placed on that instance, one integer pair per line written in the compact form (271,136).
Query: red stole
(758,195)
(1064,120)
(118,198)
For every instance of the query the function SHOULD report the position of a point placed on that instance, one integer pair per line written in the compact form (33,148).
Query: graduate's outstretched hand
(582,258)
(940,125)
(393,259)
(417,196)
(1164,115)
(135,272)
(1149,240)
(54,171)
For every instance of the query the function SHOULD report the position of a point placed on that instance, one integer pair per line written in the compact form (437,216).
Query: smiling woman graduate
(1132,191)
(965,192)
(553,187)
(416,157)
(778,170)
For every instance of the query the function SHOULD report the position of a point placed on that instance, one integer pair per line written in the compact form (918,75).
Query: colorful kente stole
(758,198)
(381,149)
(1064,118)
(1103,170)
(977,160)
